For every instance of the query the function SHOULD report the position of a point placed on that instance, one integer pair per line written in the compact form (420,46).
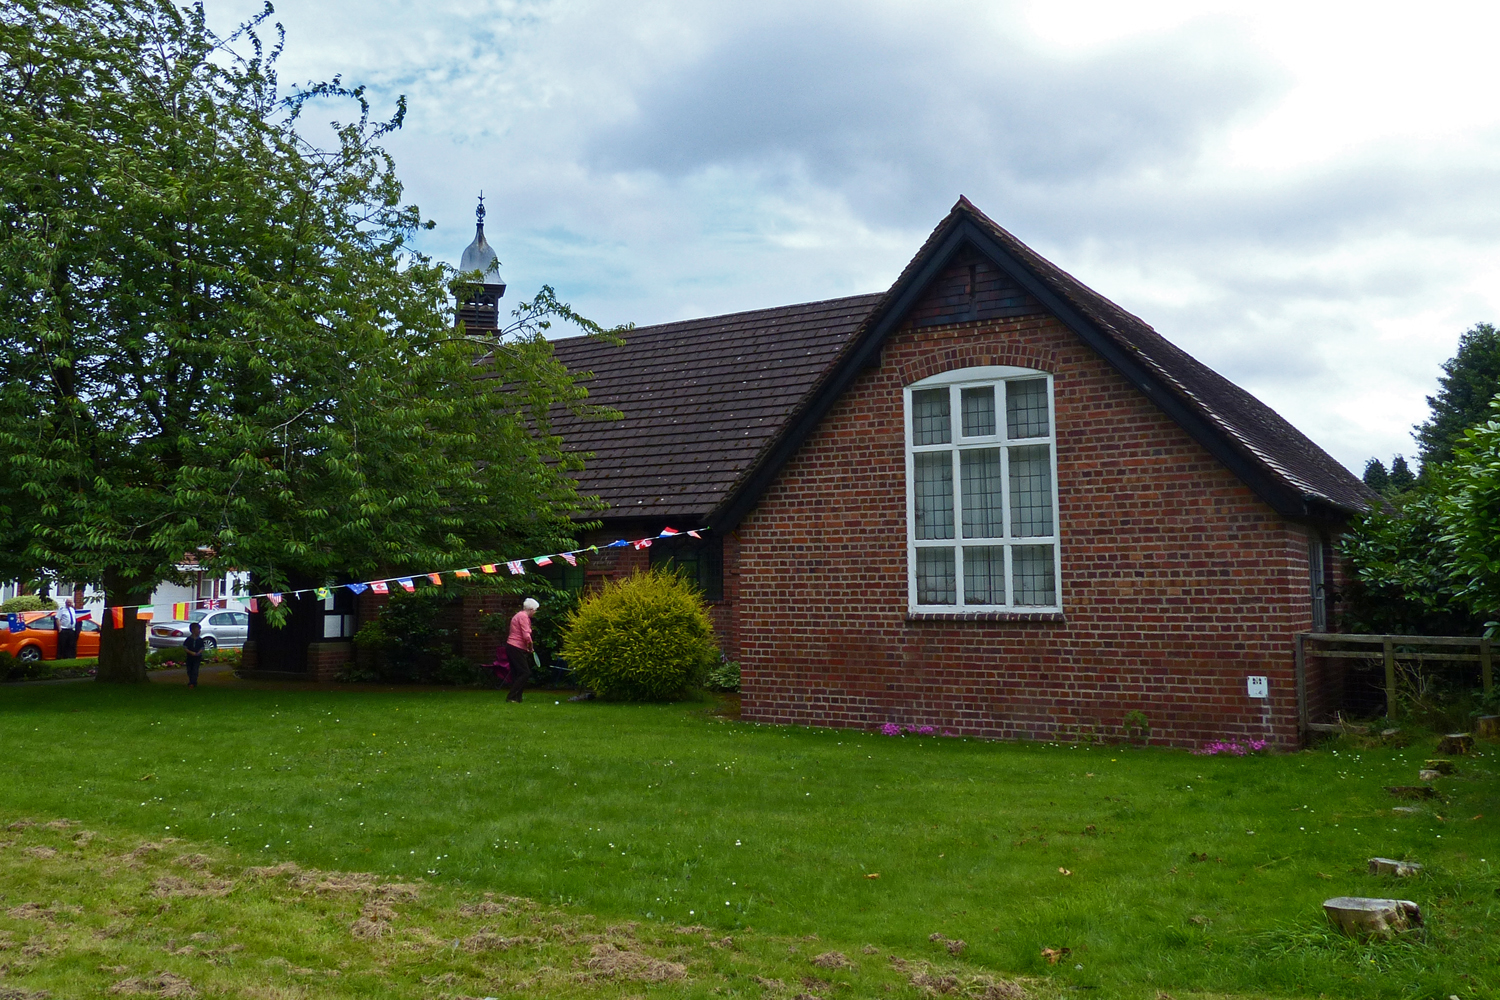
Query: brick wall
(1177,581)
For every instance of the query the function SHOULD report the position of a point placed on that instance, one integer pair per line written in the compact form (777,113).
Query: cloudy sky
(1306,197)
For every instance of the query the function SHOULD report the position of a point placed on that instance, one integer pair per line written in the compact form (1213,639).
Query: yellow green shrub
(647,637)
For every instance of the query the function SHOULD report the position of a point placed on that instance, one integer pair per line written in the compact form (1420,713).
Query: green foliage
(1401,571)
(1136,726)
(647,637)
(1471,515)
(414,639)
(28,602)
(218,338)
(725,676)
(1470,379)
(1376,477)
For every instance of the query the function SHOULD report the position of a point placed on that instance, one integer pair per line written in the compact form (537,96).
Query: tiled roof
(701,399)
(713,407)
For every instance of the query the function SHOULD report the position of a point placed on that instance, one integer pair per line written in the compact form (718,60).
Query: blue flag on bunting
(358,588)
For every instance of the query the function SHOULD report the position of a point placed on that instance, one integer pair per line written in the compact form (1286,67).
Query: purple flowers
(1231,746)
(892,729)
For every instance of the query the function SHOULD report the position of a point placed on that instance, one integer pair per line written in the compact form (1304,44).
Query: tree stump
(1456,743)
(1411,791)
(1440,766)
(1372,918)
(1427,775)
(1387,866)
(1487,727)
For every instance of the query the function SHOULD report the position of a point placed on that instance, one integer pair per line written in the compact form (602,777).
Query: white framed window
(981,496)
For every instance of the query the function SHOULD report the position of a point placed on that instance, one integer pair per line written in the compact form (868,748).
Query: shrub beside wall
(647,637)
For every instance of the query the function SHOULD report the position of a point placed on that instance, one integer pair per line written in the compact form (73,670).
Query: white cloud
(1304,196)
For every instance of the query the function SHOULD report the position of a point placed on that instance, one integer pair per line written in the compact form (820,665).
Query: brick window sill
(1044,617)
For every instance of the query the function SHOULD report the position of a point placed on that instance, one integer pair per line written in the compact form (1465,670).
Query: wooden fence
(1386,649)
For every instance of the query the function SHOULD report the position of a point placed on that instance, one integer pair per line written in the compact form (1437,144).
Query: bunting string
(515,567)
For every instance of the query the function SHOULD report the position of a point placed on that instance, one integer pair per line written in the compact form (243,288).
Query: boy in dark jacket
(193,646)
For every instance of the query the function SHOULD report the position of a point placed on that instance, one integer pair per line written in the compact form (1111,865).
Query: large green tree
(1470,379)
(217,338)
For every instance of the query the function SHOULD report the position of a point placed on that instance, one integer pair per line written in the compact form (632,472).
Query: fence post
(1389,649)
(1301,686)
(1485,670)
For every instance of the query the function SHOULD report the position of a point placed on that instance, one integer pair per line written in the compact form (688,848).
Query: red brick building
(988,500)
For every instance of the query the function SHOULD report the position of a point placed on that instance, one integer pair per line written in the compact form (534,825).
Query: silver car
(220,628)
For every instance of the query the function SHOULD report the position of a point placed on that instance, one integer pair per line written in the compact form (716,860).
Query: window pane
(984,574)
(1026,408)
(935,577)
(979,472)
(931,421)
(934,494)
(1030,491)
(1033,581)
(979,411)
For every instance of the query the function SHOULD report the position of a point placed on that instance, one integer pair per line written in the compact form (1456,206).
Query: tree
(218,339)
(1376,477)
(1470,379)
(1471,515)
(1401,478)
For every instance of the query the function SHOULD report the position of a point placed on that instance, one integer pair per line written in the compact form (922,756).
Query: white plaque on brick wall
(1257,687)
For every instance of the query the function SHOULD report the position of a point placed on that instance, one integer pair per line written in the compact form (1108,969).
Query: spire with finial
(479,256)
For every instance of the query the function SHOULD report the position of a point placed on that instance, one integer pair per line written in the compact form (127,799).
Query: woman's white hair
(530,604)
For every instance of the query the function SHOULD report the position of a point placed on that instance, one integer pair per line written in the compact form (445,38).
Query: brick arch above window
(977,356)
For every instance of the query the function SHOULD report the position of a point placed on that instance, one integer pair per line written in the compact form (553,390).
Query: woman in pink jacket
(518,649)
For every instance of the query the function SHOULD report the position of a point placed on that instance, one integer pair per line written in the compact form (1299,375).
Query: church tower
(480,309)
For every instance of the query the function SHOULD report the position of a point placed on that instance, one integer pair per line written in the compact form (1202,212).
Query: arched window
(981,497)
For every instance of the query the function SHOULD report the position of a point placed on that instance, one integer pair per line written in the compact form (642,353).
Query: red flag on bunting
(695,534)
(406,584)
(644,543)
(118,614)
(490,567)
(668,532)
(570,558)
(436,578)
(544,561)
(515,567)
(275,598)
(379,587)
(254,606)
(462,574)
(180,611)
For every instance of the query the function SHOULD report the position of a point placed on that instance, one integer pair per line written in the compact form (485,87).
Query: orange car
(38,640)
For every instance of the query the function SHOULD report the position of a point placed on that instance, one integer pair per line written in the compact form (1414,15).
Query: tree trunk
(122,651)
(1367,918)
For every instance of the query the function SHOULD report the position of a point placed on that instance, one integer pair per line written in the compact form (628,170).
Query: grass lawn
(1159,870)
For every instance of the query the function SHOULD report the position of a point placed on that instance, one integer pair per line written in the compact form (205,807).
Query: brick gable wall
(1177,580)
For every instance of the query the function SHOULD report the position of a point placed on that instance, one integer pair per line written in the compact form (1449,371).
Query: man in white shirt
(67,632)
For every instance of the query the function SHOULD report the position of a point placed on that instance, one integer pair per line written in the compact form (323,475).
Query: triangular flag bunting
(275,599)
(644,543)
(180,611)
(436,578)
(570,558)
(695,534)
(118,614)
(544,561)
(489,567)
(323,593)
(379,587)
(462,574)
(254,606)
(406,584)
(668,533)
(515,567)
(358,588)
(618,543)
